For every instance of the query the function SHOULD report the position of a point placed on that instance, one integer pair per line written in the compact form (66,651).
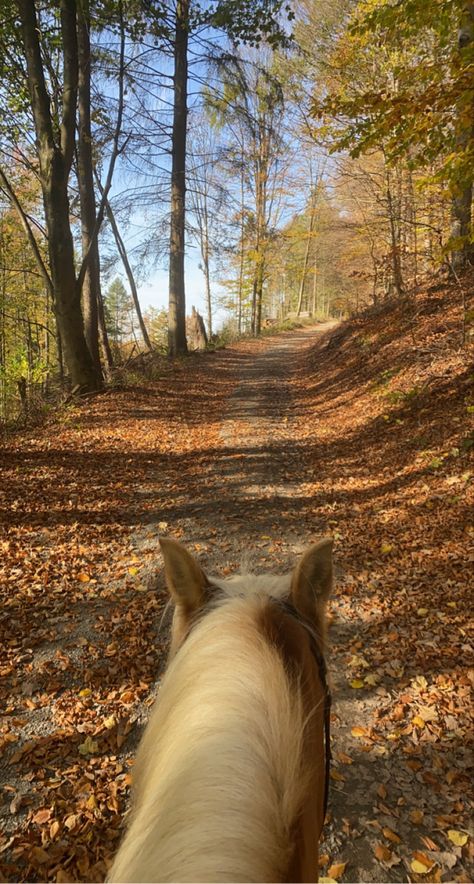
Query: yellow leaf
(422,611)
(386,548)
(91,802)
(133,571)
(458,838)
(88,747)
(336,870)
(418,867)
(162,526)
(418,721)
(83,577)
(356,683)
(70,821)
(359,732)
(110,722)
(86,692)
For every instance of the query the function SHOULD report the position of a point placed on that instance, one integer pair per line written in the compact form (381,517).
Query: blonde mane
(219,780)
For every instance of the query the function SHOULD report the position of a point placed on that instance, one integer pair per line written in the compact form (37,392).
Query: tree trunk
(128,270)
(306,256)
(90,293)
(207,275)
(463,253)
(395,240)
(177,302)
(55,163)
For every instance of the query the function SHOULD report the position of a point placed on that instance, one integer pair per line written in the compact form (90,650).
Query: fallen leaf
(38,856)
(42,816)
(419,868)
(391,836)
(416,816)
(89,747)
(359,731)
(382,853)
(336,870)
(458,838)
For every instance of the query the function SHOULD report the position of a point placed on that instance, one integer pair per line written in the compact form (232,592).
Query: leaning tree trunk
(177,302)
(306,256)
(128,270)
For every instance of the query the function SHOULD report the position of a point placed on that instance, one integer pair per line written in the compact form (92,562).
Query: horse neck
(219,774)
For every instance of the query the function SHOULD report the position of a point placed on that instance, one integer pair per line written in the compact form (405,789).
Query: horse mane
(229,712)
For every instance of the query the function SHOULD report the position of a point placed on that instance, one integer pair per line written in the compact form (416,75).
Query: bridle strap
(321,663)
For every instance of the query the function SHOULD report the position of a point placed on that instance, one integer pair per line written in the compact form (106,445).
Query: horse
(230,779)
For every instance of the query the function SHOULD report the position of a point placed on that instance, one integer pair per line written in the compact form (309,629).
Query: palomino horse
(230,776)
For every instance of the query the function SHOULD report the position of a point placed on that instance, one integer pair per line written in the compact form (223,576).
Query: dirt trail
(246,455)
(263,483)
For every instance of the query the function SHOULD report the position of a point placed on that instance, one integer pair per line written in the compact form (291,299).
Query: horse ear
(186,581)
(311,581)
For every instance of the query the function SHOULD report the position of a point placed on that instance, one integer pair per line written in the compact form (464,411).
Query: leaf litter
(259,448)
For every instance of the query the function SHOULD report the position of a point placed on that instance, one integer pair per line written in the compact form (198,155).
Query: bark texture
(177,301)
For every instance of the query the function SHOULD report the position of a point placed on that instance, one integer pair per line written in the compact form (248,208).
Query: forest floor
(362,430)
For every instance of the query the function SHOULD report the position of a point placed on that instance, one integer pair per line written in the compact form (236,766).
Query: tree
(118,307)
(243,21)
(55,150)
(400,83)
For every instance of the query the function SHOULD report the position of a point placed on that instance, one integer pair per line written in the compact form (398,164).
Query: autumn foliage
(364,431)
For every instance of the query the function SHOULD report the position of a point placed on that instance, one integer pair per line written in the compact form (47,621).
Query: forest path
(245,455)
(266,513)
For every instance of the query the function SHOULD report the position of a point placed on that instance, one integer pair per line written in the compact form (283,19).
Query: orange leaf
(382,853)
(359,732)
(391,836)
(42,816)
(416,816)
(336,870)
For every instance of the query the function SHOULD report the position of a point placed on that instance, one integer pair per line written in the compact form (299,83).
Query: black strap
(320,660)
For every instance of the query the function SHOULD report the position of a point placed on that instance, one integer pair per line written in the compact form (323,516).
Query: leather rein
(323,673)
